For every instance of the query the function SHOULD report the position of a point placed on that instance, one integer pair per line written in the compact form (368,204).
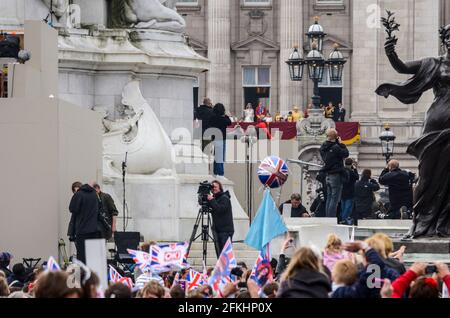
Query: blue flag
(267,225)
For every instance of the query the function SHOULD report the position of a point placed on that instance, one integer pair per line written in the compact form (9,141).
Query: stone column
(364,62)
(291,34)
(219,52)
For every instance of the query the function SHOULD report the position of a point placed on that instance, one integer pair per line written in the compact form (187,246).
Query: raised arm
(400,66)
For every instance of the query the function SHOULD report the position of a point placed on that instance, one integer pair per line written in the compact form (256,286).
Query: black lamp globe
(336,63)
(316,64)
(316,35)
(387,139)
(296,64)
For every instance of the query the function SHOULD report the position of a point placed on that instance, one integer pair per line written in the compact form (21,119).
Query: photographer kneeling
(222,216)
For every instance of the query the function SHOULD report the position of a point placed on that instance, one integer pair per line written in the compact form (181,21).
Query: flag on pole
(169,257)
(194,280)
(115,277)
(262,271)
(52,265)
(267,225)
(224,265)
(142,259)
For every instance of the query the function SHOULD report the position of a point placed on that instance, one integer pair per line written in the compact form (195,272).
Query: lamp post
(316,62)
(387,139)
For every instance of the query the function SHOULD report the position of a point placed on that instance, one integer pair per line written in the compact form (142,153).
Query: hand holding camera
(442,269)
(419,268)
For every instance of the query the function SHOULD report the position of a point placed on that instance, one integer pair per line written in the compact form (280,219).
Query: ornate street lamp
(316,62)
(315,124)
(316,35)
(336,63)
(387,139)
(296,64)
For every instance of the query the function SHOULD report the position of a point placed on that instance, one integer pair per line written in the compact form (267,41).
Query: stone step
(197,263)
(410,259)
(236,246)
(237,253)
(425,246)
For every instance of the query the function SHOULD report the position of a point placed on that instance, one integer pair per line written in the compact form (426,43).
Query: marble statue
(432,194)
(146,14)
(149,148)
(59,6)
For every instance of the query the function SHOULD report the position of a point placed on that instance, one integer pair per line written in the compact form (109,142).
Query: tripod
(203,219)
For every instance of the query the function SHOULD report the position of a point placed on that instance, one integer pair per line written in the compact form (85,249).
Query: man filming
(222,215)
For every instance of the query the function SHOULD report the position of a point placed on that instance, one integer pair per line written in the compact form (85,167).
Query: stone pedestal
(165,208)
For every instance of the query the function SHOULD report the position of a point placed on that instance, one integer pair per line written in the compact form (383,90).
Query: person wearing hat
(5,260)
(297,114)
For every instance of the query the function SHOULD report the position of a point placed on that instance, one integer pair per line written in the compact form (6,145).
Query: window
(256,84)
(256,76)
(330,91)
(326,82)
(329,5)
(187,2)
(325,2)
(256,3)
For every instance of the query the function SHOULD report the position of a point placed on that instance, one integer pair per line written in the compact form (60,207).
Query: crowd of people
(349,196)
(358,269)
(261,113)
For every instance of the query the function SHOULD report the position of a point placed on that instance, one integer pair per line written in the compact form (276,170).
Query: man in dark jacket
(297,208)
(85,207)
(318,207)
(400,189)
(222,216)
(71,228)
(348,192)
(364,195)
(218,129)
(333,153)
(341,111)
(109,208)
(204,113)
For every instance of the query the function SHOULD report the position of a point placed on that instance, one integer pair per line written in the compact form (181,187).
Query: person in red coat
(424,287)
(261,112)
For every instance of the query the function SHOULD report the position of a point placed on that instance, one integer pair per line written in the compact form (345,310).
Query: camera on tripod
(204,190)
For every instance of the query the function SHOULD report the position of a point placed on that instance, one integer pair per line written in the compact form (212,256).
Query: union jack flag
(115,277)
(142,259)
(169,256)
(273,172)
(52,265)
(194,280)
(224,265)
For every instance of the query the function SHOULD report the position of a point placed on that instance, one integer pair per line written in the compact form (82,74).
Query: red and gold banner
(349,132)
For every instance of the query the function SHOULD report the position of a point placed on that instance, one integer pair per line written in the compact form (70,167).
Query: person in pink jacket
(334,252)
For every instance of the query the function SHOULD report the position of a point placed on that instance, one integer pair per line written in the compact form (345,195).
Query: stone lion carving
(146,14)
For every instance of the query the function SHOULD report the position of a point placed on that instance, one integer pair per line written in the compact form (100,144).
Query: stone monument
(134,64)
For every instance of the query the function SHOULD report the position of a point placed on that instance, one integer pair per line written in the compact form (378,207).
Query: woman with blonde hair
(303,277)
(392,259)
(334,252)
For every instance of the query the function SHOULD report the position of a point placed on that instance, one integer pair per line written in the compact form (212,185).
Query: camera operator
(222,215)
